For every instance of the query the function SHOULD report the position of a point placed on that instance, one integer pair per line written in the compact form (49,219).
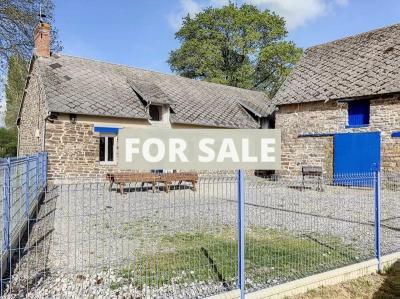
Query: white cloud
(190,7)
(218,3)
(296,12)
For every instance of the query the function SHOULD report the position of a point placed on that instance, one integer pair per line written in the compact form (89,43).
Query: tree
(235,45)
(18,20)
(16,76)
(8,142)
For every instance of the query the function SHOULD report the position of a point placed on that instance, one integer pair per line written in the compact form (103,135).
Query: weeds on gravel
(375,286)
(271,256)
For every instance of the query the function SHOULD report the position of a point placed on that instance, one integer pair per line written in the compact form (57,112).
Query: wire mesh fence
(21,179)
(390,213)
(298,228)
(88,240)
(22,182)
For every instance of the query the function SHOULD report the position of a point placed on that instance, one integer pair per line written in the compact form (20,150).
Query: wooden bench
(168,178)
(312,171)
(121,179)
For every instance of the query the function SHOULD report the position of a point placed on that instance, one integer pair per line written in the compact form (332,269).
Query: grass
(270,254)
(386,286)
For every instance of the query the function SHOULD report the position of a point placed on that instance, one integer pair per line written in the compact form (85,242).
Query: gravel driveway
(86,233)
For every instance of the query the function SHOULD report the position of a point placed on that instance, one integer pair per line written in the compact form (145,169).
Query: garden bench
(168,178)
(121,179)
(312,171)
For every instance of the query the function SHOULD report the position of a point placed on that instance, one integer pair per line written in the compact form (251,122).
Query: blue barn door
(356,153)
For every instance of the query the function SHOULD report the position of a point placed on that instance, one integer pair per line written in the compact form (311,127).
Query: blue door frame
(356,153)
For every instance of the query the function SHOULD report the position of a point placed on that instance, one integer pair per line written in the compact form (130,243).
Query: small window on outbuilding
(358,113)
(155,112)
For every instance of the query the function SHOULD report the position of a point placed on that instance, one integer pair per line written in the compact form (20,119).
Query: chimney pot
(42,38)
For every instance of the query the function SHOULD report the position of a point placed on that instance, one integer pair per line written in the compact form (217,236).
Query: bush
(8,142)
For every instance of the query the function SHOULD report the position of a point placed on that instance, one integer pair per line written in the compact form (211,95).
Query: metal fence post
(45,169)
(36,175)
(6,204)
(241,231)
(377,205)
(46,161)
(27,201)
(40,170)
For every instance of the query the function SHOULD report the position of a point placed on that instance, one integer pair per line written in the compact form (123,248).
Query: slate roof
(84,86)
(361,65)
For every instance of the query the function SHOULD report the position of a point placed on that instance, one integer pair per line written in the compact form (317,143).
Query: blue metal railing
(23,180)
(241,232)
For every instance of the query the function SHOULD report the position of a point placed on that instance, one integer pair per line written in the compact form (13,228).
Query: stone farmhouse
(339,109)
(73,107)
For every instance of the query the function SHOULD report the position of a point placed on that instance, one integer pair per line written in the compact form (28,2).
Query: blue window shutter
(396,134)
(358,113)
(106,130)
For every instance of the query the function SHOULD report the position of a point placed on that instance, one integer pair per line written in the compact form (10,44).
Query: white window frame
(106,162)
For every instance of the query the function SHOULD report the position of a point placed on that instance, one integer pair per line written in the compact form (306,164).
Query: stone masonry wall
(73,150)
(33,114)
(331,117)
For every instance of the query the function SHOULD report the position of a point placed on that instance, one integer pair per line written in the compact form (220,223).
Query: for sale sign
(199,149)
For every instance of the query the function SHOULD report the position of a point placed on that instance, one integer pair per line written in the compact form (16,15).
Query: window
(358,113)
(155,112)
(107,149)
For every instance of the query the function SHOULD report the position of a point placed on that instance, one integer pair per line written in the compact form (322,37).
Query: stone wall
(331,117)
(71,148)
(33,113)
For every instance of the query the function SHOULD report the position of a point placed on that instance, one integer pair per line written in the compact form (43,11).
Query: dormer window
(155,112)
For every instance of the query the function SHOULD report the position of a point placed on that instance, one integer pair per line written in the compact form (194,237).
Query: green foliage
(16,76)
(8,142)
(235,45)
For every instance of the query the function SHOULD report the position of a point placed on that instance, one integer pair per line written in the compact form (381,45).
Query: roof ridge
(161,73)
(356,35)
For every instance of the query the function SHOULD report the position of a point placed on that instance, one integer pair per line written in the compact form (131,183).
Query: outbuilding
(339,109)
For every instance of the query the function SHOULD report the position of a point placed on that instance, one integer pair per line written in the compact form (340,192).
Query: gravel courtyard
(85,234)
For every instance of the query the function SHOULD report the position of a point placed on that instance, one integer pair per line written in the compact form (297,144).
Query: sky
(141,32)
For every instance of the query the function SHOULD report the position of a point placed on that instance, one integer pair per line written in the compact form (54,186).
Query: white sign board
(199,149)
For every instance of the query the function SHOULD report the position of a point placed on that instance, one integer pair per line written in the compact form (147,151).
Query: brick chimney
(42,39)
